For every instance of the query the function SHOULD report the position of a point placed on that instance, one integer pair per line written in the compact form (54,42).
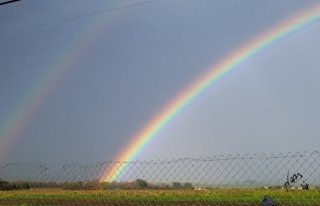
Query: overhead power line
(121,8)
(78,16)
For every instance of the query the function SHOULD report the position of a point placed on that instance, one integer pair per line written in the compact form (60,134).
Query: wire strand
(77,17)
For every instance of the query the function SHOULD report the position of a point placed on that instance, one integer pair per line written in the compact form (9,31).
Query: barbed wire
(288,178)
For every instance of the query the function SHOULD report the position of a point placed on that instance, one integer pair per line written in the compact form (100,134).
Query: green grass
(158,197)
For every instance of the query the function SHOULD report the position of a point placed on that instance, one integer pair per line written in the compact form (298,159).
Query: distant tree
(141,184)
(176,185)
(21,185)
(4,185)
(2,182)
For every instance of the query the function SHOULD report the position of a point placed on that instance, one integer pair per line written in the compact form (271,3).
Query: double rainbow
(217,71)
(33,99)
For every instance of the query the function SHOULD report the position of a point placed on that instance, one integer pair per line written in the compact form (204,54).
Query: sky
(120,62)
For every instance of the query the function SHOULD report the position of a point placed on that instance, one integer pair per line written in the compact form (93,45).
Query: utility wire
(176,42)
(197,38)
(78,16)
(117,9)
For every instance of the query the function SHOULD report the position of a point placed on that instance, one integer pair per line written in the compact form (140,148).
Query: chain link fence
(282,179)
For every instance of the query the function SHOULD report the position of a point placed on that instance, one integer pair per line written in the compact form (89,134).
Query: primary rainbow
(229,62)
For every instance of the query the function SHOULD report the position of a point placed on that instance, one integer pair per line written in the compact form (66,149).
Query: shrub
(176,185)
(141,184)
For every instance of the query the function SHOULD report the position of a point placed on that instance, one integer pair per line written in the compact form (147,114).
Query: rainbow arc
(215,74)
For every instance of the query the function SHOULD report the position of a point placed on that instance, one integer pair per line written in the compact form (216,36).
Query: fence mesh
(282,179)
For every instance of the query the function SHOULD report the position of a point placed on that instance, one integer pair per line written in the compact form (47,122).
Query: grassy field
(157,197)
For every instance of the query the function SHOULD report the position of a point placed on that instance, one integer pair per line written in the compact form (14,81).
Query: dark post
(267,201)
(7,1)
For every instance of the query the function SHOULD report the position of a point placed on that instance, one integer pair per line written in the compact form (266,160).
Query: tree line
(92,185)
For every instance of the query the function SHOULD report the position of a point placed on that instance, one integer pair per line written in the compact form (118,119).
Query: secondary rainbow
(217,71)
(33,98)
